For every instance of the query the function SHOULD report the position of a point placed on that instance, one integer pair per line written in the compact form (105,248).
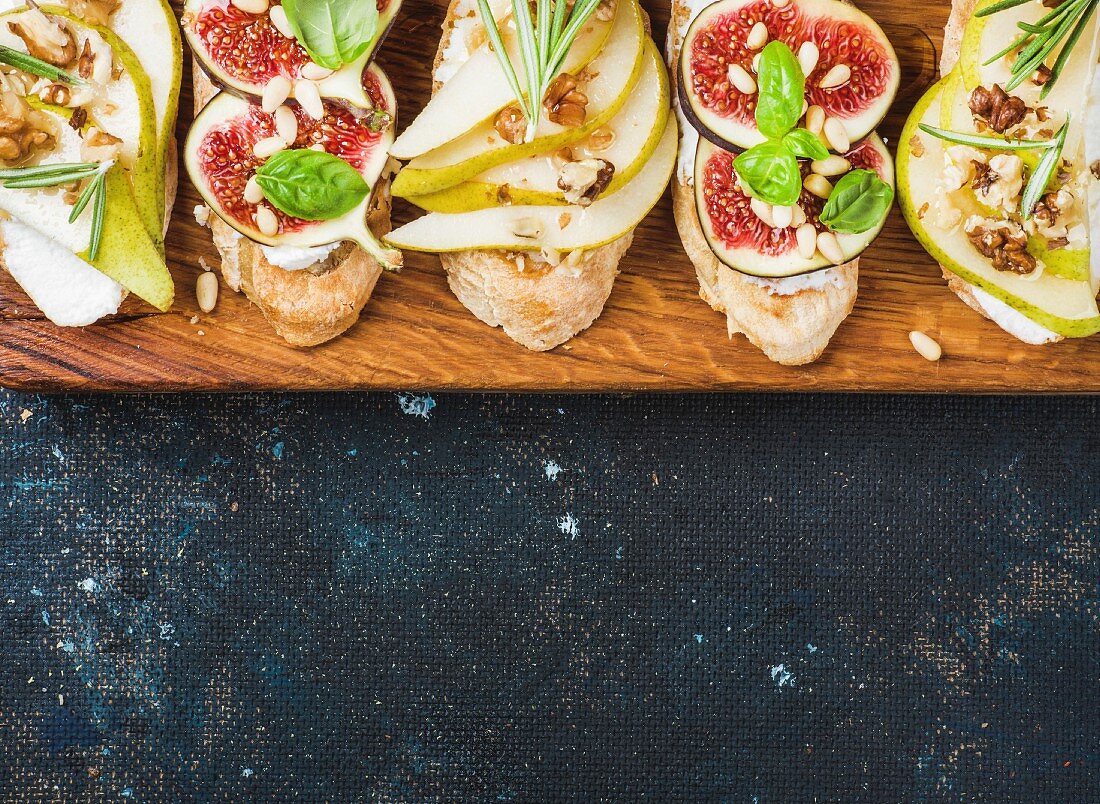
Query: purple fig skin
(684,100)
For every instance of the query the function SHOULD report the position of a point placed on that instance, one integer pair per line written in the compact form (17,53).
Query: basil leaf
(806,145)
(311,185)
(333,32)
(859,202)
(781,89)
(770,172)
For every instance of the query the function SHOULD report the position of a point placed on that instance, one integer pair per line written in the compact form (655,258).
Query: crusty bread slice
(961,11)
(310,306)
(537,305)
(792,329)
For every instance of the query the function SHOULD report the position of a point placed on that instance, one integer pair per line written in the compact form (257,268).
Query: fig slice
(844,36)
(242,52)
(220,159)
(744,242)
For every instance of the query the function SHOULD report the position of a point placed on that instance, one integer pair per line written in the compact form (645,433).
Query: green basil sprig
(333,32)
(858,203)
(781,90)
(311,185)
(770,171)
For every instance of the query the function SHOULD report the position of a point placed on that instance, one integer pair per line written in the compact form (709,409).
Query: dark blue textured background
(755,599)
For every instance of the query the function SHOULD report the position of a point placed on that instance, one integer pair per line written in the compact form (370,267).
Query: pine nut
(763,211)
(278,18)
(268,147)
(782,216)
(275,93)
(808,55)
(839,75)
(829,246)
(252,6)
(758,36)
(837,135)
(798,216)
(315,72)
(317,146)
(815,119)
(925,346)
(781,3)
(832,166)
(807,241)
(206,291)
(253,192)
(756,63)
(818,185)
(741,80)
(267,222)
(309,96)
(286,123)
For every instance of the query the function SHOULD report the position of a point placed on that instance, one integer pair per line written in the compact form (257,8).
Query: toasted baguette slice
(537,305)
(310,306)
(961,11)
(792,325)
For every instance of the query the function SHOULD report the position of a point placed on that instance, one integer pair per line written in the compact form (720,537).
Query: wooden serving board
(656,334)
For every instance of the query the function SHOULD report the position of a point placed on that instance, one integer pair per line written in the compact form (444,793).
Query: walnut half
(564,102)
(583,181)
(1005,245)
(1001,110)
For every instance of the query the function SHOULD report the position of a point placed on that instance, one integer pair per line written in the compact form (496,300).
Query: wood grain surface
(656,334)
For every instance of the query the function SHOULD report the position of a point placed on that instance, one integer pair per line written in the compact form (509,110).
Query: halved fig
(844,37)
(221,159)
(744,242)
(242,52)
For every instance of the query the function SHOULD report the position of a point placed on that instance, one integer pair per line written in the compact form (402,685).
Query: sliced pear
(1064,306)
(558,228)
(127,111)
(480,89)
(637,130)
(617,70)
(127,253)
(149,28)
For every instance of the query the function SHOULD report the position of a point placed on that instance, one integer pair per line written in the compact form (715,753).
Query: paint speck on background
(247,772)
(552,470)
(89,585)
(278,449)
(782,676)
(569,525)
(416,405)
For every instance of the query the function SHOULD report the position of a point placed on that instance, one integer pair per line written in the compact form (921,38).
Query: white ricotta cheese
(689,137)
(68,290)
(295,258)
(789,286)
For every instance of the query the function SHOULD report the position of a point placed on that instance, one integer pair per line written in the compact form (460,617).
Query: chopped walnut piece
(916,146)
(1001,110)
(86,63)
(1042,76)
(78,118)
(1057,244)
(984,177)
(97,12)
(511,125)
(23,131)
(1047,210)
(583,181)
(45,39)
(99,146)
(1005,245)
(1095,168)
(564,102)
(922,211)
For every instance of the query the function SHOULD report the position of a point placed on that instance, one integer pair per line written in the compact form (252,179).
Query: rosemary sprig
(544,42)
(979,141)
(1044,171)
(1040,176)
(1062,26)
(94,193)
(29,64)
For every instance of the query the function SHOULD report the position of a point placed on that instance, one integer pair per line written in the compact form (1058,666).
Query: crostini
(291,158)
(88,96)
(993,165)
(533,203)
(781,181)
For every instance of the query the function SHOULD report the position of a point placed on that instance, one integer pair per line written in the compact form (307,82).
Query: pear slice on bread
(99,110)
(530,230)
